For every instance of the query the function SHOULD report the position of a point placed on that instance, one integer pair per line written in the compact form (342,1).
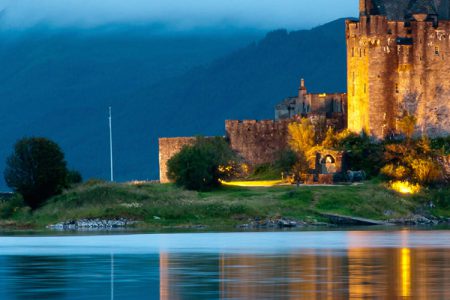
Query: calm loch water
(284,265)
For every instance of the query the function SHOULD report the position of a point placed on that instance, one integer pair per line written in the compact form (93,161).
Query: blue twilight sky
(176,14)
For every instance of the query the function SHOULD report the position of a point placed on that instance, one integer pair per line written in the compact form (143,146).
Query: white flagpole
(112,276)
(110,144)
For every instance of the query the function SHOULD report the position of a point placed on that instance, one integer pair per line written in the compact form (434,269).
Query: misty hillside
(60,85)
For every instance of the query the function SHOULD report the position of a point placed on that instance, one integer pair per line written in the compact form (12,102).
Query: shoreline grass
(165,205)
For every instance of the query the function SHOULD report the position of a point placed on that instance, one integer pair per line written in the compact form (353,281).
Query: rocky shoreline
(93,224)
(282,222)
(253,223)
(273,223)
(420,220)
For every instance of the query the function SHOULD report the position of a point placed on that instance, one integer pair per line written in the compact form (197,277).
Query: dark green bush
(202,165)
(286,160)
(442,143)
(37,170)
(363,153)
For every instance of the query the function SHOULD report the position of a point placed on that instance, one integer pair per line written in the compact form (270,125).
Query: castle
(331,107)
(398,64)
(398,57)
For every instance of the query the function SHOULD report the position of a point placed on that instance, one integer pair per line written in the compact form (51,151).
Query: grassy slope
(227,206)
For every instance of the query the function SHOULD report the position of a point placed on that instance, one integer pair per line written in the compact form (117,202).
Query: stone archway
(328,164)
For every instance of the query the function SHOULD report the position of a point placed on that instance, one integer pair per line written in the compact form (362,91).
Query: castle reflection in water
(355,268)
(353,273)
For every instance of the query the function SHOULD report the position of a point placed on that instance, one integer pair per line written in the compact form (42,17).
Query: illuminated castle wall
(398,56)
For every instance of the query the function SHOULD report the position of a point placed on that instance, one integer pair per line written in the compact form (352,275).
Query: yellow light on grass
(405,187)
(263,183)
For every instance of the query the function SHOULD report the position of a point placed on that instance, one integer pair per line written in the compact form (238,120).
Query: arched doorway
(328,164)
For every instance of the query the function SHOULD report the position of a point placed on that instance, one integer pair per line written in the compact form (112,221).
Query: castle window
(436,50)
(389,31)
(396,88)
(360,52)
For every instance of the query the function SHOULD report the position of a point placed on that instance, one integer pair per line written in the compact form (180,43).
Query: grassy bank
(160,205)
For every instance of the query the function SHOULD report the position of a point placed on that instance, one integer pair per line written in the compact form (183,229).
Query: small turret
(302,89)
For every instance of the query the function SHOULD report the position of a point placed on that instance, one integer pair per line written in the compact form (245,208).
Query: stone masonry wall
(168,147)
(396,67)
(257,142)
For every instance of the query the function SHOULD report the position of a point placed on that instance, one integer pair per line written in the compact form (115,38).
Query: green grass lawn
(224,207)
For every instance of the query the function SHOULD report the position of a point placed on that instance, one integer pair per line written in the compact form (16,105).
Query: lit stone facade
(398,56)
(168,147)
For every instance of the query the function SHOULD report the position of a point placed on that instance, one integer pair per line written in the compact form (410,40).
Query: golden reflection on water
(164,276)
(355,273)
(406,272)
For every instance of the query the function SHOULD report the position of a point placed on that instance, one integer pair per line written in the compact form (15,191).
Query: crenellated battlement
(380,26)
(397,67)
(257,142)
(255,125)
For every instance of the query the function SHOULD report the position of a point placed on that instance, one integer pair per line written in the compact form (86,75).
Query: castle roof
(399,10)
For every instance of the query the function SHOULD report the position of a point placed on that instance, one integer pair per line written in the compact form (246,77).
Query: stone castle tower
(398,56)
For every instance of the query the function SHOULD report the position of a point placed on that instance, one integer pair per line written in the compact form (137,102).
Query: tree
(362,152)
(301,166)
(302,136)
(202,165)
(37,170)
(331,139)
(286,160)
(414,161)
